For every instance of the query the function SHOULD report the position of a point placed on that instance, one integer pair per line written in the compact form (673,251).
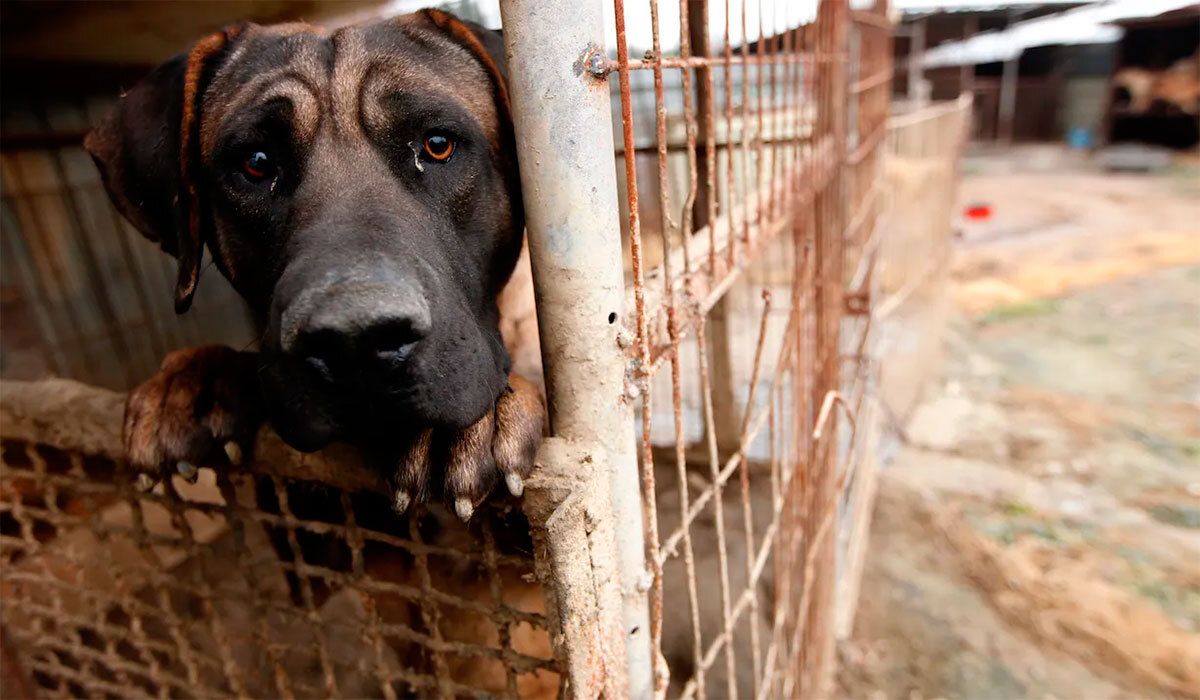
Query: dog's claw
(202,401)
(501,445)
(514,483)
(400,504)
(464,508)
(145,483)
(188,471)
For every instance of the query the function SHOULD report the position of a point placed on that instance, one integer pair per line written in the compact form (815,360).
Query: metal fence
(921,180)
(710,373)
(293,578)
(909,312)
(745,324)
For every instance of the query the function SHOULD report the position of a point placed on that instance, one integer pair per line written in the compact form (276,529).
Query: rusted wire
(731,248)
(650,511)
(710,140)
(126,655)
(717,487)
(672,328)
(744,478)
(745,146)
(701,61)
(788,169)
(689,115)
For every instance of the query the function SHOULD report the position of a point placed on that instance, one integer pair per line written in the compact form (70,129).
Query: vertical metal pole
(563,122)
(726,416)
(1008,98)
(699,42)
(829,243)
(966,72)
(916,54)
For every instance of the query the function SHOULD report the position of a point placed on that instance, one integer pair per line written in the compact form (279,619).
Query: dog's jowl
(360,190)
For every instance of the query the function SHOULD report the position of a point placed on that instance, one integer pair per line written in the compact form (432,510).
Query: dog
(359,189)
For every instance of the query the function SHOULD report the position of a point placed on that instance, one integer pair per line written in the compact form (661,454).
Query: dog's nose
(334,349)
(349,329)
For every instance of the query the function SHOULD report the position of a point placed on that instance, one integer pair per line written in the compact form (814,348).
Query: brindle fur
(354,229)
(375,274)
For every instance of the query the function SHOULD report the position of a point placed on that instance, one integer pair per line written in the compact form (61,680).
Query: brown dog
(360,190)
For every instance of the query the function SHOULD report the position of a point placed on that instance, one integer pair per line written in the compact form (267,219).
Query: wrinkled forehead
(336,80)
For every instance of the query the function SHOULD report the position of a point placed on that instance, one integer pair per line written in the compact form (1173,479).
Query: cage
(696,520)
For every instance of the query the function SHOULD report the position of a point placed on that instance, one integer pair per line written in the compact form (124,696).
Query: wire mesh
(750,265)
(268,582)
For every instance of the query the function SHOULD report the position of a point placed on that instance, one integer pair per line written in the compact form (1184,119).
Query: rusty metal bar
(658,671)
(701,61)
(572,220)
(668,288)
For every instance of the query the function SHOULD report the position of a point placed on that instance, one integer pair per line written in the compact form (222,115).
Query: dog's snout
(345,328)
(335,348)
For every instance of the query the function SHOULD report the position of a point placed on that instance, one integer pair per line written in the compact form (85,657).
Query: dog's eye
(257,166)
(439,147)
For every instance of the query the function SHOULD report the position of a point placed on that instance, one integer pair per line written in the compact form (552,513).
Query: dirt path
(1038,534)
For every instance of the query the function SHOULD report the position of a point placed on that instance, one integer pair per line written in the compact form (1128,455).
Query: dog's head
(359,189)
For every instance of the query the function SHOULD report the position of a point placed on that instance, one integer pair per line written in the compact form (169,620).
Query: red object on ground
(979,211)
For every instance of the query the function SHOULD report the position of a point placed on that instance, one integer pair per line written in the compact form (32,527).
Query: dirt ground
(1038,531)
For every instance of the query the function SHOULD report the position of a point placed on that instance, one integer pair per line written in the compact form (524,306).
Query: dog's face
(359,189)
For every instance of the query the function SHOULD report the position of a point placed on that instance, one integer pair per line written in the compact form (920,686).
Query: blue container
(1079,137)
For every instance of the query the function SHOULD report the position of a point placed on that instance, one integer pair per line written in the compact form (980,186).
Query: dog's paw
(499,447)
(202,408)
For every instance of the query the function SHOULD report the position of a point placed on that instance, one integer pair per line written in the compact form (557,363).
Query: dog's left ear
(488,47)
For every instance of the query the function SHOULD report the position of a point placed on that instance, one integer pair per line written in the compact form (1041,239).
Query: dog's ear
(488,47)
(147,152)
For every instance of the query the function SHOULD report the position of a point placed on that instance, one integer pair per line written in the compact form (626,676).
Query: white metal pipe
(1008,98)
(916,55)
(563,121)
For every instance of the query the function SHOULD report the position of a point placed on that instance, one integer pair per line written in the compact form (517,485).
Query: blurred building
(1053,70)
(1155,92)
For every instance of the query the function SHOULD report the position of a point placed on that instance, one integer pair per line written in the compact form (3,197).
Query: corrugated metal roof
(1082,25)
(935,6)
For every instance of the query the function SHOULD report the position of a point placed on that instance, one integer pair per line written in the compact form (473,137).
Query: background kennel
(698,517)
